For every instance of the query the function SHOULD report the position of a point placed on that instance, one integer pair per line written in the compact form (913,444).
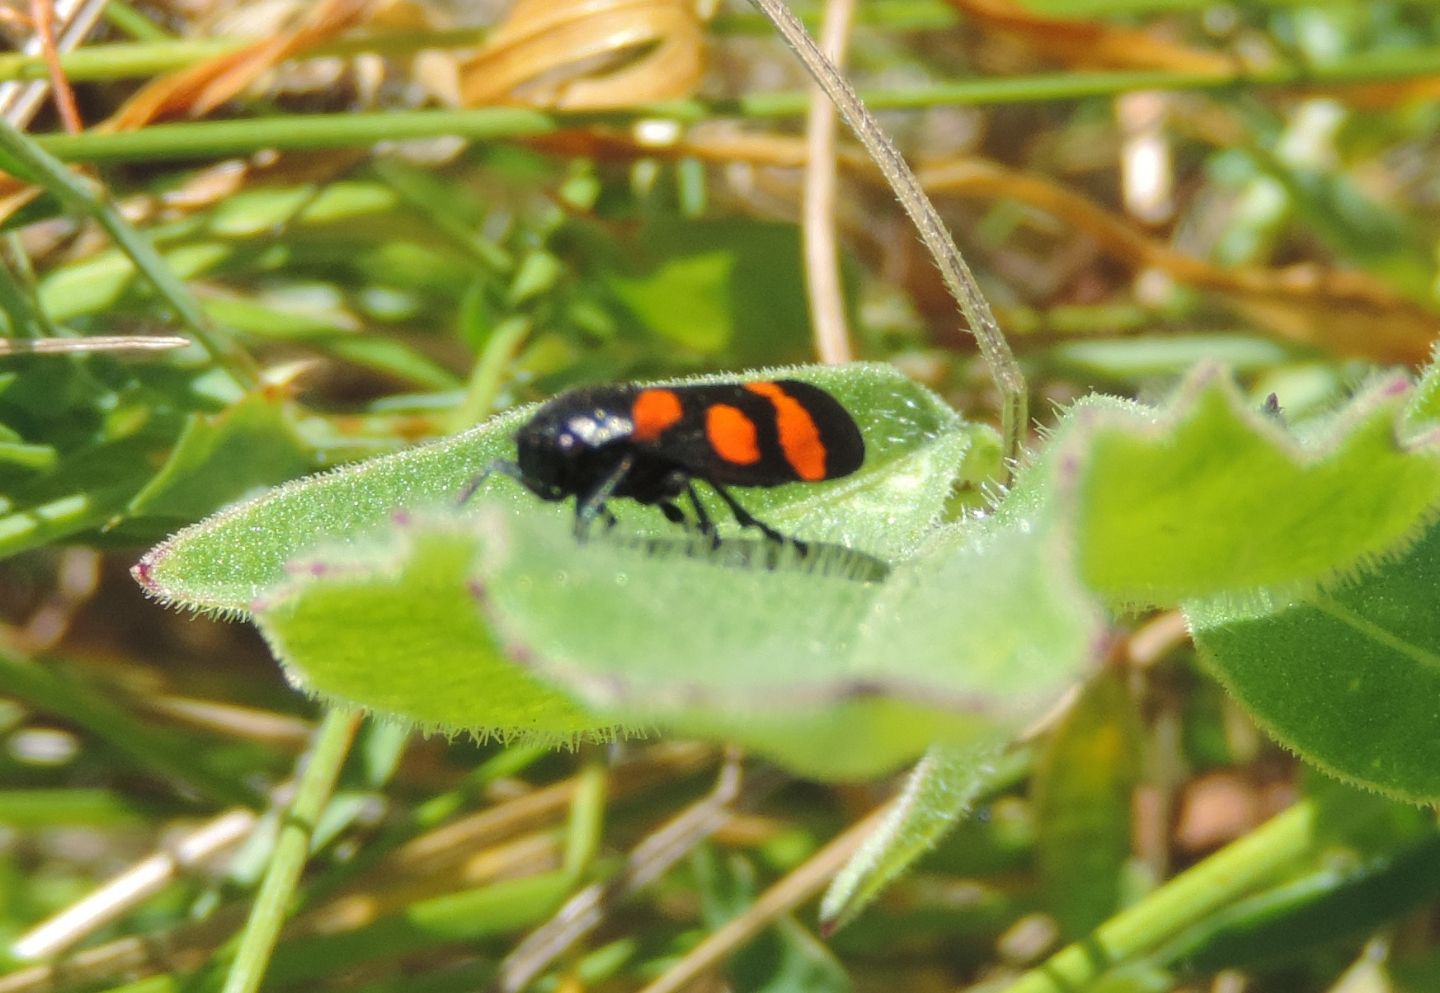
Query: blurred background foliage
(393,218)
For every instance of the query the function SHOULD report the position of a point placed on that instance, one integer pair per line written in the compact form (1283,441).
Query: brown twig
(822,256)
(787,894)
(655,855)
(42,14)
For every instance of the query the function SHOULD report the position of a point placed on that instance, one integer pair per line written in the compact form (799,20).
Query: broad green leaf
(914,446)
(403,637)
(1211,496)
(938,792)
(1347,675)
(701,281)
(977,629)
(1086,773)
(731,287)
(964,643)
(221,457)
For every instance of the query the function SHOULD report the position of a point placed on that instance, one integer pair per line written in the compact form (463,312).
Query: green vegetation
(1166,682)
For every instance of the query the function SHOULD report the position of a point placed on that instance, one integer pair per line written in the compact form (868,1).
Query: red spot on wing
(799,435)
(731,434)
(653,412)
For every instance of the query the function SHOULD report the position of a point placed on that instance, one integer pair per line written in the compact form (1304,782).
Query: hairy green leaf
(1210,496)
(964,643)
(1347,675)
(809,658)
(226,561)
(221,457)
(403,637)
(938,792)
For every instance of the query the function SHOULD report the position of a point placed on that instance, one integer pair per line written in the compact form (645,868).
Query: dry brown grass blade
(489,842)
(42,12)
(1090,44)
(588,54)
(1342,312)
(818,222)
(801,884)
(647,861)
(199,89)
(92,343)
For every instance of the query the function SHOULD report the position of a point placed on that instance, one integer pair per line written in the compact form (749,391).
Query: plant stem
(194,139)
(819,237)
(489,372)
(317,782)
(959,280)
(76,193)
(1194,894)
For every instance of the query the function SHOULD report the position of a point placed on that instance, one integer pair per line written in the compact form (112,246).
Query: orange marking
(799,437)
(653,412)
(731,434)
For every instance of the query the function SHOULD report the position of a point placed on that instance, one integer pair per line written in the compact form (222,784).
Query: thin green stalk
(25,320)
(484,386)
(79,195)
(319,131)
(48,688)
(123,17)
(959,280)
(586,824)
(161,54)
(1190,897)
(312,792)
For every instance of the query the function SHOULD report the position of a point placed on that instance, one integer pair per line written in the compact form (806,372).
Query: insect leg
(702,517)
(749,520)
(503,466)
(593,504)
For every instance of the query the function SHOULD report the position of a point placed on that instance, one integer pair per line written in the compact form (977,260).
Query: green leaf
(1363,230)
(939,791)
(230,559)
(964,643)
(978,628)
(1347,675)
(1211,496)
(32,458)
(701,280)
(221,457)
(1422,413)
(732,287)
(333,330)
(403,637)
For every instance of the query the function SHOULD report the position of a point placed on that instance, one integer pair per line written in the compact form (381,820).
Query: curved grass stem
(959,280)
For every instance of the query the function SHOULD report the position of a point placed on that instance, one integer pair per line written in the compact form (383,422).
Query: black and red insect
(652,444)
